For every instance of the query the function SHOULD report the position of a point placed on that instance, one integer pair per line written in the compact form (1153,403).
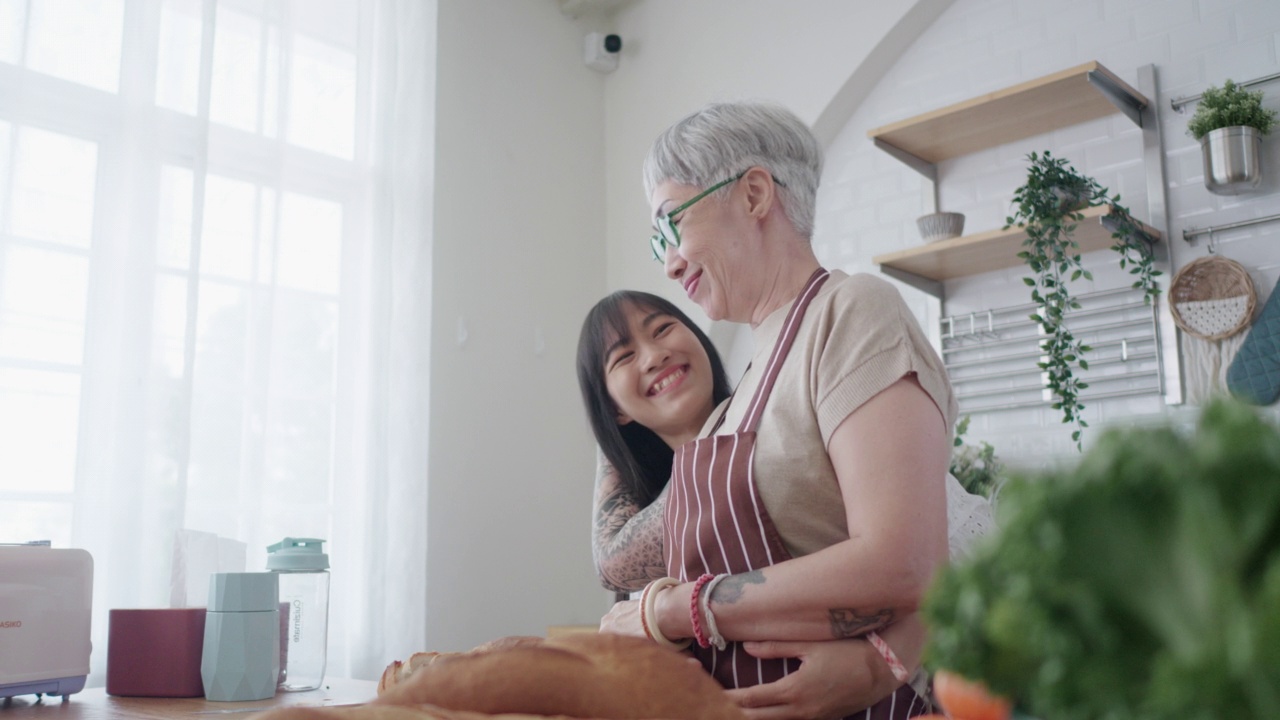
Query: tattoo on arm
(849,623)
(626,540)
(729,591)
(845,623)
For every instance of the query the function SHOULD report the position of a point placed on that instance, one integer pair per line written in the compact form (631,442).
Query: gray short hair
(723,139)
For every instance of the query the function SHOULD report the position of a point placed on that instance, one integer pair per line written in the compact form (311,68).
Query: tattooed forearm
(729,591)
(613,510)
(848,623)
(633,557)
(626,541)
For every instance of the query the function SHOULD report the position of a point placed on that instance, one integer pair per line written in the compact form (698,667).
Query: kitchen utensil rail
(1179,103)
(1085,297)
(1123,343)
(1023,339)
(1084,397)
(951,321)
(1189,233)
(1091,379)
(1120,327)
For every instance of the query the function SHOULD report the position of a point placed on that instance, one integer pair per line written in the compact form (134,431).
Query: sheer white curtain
(214,299)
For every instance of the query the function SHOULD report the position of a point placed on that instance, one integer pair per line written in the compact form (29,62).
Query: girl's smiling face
(659,375)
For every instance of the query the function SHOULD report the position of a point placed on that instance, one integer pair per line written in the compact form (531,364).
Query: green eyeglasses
(668,235)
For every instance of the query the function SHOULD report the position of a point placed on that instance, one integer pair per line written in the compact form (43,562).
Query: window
(185,203)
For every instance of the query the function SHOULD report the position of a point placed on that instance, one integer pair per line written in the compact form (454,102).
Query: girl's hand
(623,619)
(836,678)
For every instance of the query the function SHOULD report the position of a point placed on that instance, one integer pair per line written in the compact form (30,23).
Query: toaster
(46,597)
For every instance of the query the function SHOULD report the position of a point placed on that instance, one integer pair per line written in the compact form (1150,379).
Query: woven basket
(1212,298)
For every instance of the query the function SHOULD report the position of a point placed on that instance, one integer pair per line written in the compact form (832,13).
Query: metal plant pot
(1232,160)
(1070,199)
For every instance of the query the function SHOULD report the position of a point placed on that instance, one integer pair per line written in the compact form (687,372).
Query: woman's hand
(623,619)
(836,678)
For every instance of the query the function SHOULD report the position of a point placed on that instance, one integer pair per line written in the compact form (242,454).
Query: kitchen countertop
(96,704)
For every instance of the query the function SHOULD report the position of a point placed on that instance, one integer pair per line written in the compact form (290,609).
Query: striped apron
(716,523)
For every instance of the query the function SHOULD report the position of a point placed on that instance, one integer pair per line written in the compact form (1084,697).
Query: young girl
(650,379)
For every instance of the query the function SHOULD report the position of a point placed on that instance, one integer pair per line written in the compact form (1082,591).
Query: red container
(155,652)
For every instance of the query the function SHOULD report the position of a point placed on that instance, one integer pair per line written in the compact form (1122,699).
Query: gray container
(241,656)
(1232,160)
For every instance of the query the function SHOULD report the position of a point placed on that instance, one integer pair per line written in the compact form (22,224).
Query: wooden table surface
(96,704)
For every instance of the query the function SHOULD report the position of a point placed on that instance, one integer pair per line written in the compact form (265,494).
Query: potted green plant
(1048,208)
(1229,122)
(975,466)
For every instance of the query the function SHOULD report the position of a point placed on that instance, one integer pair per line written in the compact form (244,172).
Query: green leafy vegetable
(1143,584)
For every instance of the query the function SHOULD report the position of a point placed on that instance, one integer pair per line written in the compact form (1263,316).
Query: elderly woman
(812,506)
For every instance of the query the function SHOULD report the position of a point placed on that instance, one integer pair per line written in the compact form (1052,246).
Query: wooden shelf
(1038,106)
(993,250)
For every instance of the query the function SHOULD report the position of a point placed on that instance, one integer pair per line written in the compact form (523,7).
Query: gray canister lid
(244,592)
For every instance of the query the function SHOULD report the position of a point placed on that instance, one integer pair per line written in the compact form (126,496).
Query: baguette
(577,675)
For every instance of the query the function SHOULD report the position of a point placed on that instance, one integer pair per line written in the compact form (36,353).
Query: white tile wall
(868,201)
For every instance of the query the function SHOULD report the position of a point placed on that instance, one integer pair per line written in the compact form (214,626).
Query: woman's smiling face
(659,375)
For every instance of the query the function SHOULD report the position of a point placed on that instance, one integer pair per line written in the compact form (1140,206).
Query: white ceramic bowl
(940,226)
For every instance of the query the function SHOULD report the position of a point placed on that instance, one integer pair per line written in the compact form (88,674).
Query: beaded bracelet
(647,610)
(895,665)
(705,601)
(695,606)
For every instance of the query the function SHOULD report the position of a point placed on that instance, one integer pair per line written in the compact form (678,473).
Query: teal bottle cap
(297,554)
(244,592)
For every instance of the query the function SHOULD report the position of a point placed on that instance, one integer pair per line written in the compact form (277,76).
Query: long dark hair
(642,459)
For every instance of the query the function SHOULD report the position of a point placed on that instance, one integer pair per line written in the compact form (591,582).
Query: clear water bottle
(303,568)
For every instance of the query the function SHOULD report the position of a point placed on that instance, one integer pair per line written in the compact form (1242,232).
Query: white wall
(868,201)
(519,213)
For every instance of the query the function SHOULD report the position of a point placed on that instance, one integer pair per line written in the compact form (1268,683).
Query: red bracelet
(890,657)
(698,633)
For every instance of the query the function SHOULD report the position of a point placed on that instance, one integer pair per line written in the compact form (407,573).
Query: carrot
(967,700)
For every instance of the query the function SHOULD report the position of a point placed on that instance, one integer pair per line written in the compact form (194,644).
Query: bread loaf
(387,712)
(579,675)
(397,672)
(571,677)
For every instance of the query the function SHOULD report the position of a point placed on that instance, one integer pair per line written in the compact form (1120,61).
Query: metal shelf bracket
(1121,98)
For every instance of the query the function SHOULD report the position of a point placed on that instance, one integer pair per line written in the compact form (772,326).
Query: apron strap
(780,350)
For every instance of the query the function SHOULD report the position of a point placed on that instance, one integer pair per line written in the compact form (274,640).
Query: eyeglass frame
(659,241)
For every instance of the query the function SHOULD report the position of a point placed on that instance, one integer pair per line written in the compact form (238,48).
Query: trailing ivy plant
(1048,208)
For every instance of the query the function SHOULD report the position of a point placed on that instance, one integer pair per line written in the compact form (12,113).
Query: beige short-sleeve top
(857,338)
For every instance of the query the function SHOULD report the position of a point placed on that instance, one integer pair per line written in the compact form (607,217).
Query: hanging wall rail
(992,356)
(1189,233)
(1179,103)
